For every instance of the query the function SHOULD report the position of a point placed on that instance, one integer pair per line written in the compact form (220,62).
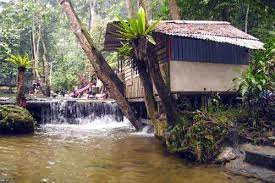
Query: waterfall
(72,111)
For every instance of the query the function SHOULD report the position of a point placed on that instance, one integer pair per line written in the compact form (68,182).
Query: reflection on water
(98,151)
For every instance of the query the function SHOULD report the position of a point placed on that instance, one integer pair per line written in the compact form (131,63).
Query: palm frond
(134,28)
(20,61)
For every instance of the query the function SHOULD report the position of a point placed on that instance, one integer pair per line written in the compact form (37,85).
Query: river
(99,151)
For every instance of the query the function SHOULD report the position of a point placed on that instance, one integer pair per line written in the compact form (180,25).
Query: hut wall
(201,65)
(199,77)
(133,84)
(196,50)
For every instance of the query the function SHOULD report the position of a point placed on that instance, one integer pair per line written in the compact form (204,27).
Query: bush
(198,137)
(257,84)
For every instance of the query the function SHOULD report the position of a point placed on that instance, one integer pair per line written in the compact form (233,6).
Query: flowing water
(101,150)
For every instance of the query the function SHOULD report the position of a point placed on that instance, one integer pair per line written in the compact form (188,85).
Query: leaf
(142,18)
(135,27)
(260,87)
(152,27)
(244,89)
(151,39)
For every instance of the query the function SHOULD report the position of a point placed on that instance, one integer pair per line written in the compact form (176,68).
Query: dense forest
(40,29)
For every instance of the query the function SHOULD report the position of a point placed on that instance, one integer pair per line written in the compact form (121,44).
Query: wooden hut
(194,56)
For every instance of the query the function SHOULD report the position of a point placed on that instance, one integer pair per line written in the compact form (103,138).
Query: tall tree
(36,37)
(46,70)
(102,69)
(246,19)
(174,10)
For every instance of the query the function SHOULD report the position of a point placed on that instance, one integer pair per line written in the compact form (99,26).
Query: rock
(260,155)
(240,167)
(226,155)
(15,120)
(254,180)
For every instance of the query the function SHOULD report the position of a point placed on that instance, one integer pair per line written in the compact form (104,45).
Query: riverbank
(219,137)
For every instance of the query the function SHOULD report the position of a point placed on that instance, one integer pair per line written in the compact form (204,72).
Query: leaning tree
(100,65)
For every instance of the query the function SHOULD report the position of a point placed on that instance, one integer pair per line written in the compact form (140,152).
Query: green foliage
(18,20)
(134,28)
(259,74)
(200,135)
(215,103)
(20,61)
(258,79)
(66,72)
(160,9)
(125,50)
(64,81)
(199,141)
(260,16)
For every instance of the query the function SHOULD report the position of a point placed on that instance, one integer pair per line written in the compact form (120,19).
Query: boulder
(227,154)
(15,120)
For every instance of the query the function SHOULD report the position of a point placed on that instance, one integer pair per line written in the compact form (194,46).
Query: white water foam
(101,126)
(98,123)
(145,132)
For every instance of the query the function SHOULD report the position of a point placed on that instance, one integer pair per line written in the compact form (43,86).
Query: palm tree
(22,63)
(137,33)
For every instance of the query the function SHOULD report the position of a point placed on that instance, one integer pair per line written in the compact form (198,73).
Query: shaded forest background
(40,29)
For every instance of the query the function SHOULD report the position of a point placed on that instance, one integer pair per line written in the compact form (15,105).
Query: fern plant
(133,28)
(20,61)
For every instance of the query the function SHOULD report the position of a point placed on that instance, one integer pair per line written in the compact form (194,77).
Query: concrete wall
(195,76)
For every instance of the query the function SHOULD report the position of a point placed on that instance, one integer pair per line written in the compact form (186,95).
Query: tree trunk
(131,9)
(102,69)
(164,93)
(174,10)
(149,99)
(246,19)
(148,53)
(35,47)
(225,14)
(47,89)
(20,85)
(92,15)
(142,68)
(144,50)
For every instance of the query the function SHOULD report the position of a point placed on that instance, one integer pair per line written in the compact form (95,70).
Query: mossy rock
(15,120)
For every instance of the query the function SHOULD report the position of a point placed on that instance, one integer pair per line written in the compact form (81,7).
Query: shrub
(198,137)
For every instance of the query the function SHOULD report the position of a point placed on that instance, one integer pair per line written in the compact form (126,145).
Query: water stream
(97,150)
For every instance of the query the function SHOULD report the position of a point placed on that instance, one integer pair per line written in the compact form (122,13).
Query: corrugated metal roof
(217,31)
